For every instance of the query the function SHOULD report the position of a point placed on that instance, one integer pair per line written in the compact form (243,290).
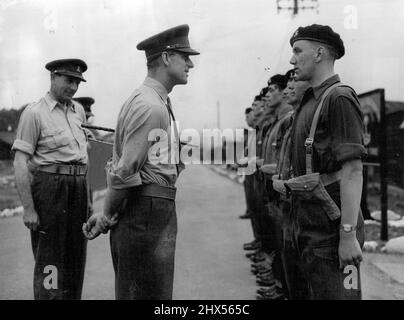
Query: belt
(155,190)
(67,169)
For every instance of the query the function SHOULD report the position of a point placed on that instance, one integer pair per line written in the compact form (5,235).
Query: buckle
(73,170)
(308,142)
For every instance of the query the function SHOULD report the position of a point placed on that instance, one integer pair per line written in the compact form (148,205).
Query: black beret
(68,67)
(290,74)
(320,33)
(86,102)
(263,92)
(278,79)
(172,39)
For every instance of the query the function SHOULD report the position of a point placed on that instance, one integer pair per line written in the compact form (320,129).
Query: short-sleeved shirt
(51,133)
(135,160)
(271,145)
(339,134)
(283,145)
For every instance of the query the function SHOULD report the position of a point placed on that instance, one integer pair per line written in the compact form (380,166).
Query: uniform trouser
(249,197)
(59,245)
(255,205)
(297,287)
(263,221)
(315,239)
(275,223)
(143,248)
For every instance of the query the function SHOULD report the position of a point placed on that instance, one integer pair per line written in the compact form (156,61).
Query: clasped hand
(97,224)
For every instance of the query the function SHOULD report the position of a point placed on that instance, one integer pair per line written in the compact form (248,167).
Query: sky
(242,44)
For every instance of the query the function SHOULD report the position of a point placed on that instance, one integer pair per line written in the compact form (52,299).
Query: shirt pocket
(55,139)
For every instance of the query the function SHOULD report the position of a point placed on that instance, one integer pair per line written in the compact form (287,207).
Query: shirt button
(305,186)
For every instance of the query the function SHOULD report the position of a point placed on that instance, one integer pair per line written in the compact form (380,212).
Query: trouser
(255,216)
(59,245)
(314,241)
(263,221)
(249,196)
(248,192)
(143,248)
(297,286)
(276,237)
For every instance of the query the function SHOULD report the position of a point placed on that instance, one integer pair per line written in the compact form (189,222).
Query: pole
(383,168)
(296,7)
(218,114)
(87,126)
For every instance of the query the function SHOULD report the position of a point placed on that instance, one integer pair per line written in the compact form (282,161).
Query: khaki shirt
(51,133)
(135,159)
(339,134)
(270,144)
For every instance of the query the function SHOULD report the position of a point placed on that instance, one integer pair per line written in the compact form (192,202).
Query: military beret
(172,39)
(86,102)
(68,67)
(320,33)
(278,79)
(290,74)
(263,91)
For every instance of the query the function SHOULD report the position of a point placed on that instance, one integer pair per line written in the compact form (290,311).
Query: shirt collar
(52,103)
(284,108)
(319,90)
(157,86)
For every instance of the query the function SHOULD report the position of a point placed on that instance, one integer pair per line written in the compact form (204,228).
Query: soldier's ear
(165,57)
(319,53)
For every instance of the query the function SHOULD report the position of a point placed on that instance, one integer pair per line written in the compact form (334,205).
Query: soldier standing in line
(326,156)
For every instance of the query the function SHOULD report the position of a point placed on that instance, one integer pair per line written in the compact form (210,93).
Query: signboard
(374,111)
(371,106)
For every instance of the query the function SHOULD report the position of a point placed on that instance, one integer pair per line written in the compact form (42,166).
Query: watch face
(347,227)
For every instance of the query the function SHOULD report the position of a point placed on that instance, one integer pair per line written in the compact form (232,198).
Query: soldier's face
(249,117)
(64,87)
(275,94)
(178,67)
(257,108)
(296,91)
(303,59)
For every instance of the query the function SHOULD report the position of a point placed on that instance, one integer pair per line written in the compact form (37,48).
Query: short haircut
(331,50)
(290,74)
(154,63)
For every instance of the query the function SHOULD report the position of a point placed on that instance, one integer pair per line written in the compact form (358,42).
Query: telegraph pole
(218,114)
(295,6)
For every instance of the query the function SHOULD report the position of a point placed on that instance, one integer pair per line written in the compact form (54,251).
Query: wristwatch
(347,227)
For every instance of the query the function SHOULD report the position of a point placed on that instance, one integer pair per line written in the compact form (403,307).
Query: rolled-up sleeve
(28,132)
(136,125)
(347,130)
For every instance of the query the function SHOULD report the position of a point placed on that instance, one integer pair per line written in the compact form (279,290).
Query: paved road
(210,263)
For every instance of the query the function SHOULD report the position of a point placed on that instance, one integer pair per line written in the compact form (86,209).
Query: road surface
(210,262)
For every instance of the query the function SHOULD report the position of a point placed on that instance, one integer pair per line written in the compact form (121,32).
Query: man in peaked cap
(50,170)
(141,183)
(327,231)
